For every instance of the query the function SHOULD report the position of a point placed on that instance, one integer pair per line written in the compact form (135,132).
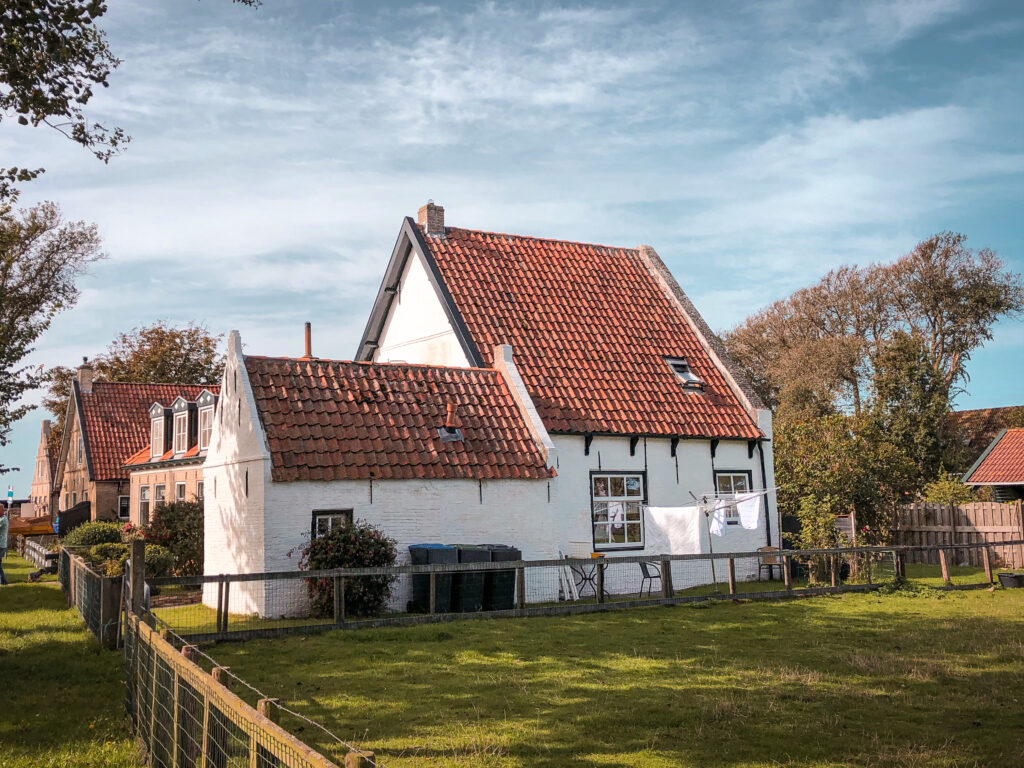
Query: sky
(755,145)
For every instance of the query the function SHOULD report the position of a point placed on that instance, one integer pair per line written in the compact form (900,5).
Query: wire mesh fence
(97,598)
(186,716)
(265,604)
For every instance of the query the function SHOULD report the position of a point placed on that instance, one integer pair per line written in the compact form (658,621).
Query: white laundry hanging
(717,522)
(748,505)
(673,530)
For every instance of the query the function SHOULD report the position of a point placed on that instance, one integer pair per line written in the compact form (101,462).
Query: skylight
(682,369)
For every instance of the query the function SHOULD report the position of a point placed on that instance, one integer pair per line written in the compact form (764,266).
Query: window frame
(147,499)
(182,419)
(609,546)
(732,515)
(159,489)
(156,438)
(329,514)
(126,502)
(184,490)
(200,490)
(204,412)
(689,379)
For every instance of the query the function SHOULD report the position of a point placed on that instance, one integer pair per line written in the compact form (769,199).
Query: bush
(159,561)
(179,527)
(360,545)
(90,534)
(109,552)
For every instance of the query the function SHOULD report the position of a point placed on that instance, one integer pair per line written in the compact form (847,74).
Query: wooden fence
(926,524)
(97,598)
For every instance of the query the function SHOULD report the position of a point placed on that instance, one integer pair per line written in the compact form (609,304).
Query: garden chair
(650,572)
(770,559)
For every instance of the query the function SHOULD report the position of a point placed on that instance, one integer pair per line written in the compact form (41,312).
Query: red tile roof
(116,420)
(142,457)
(336,420)
(590,327)
(1004,462)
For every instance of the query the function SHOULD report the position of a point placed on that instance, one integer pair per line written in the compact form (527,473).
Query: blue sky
(755,146)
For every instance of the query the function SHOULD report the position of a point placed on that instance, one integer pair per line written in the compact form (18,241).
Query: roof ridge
(150,384)
(543,239)
(369,363)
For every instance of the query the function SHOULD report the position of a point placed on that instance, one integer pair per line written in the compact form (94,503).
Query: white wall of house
(417,329)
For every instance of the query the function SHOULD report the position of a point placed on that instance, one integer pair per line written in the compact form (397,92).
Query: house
(42,477)
(623,399)
(169,468)
(978,427)
(1001,466)
(106,422)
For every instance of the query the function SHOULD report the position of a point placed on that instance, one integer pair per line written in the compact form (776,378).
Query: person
(4,526)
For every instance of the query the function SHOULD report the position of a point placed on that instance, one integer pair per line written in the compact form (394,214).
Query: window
(326,520)
(179,491)
(616,510)
(205,427)
(199,491)
(729,483)
(156,438)
(74,498)
(159,495)
(682,370)
(144,505)
(123,507)
(81,450)
(180,432)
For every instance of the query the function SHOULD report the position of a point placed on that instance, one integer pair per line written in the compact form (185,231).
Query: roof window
(682,370)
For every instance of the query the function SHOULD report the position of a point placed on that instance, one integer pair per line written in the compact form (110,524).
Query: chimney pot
(451,422)
(431,218)
(309,341)
(85,376)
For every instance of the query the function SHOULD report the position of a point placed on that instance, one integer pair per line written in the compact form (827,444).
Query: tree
(41,258)
(947,489)
(52,58)
(158,353)
(179,527)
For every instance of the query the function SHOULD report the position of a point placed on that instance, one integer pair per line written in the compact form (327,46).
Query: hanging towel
(673,530)
(749,507)
(717,522)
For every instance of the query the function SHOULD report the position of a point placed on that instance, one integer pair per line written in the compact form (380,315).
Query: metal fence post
(944,564)
(220,604)
(433,592)
(227,596)
(732,576)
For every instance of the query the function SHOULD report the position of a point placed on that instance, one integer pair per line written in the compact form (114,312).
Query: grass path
(923,679)
(61,696)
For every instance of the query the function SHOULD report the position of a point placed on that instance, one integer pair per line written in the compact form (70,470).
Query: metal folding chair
(650,572)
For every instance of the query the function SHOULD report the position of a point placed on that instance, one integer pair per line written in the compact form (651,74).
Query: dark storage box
(500,586)
(1011,580)
(468,587)
(423,554)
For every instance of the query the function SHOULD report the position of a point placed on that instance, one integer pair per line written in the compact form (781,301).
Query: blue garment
(5,525)
(3,576)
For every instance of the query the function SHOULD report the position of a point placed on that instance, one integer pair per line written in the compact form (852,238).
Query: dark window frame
(605,546)
(750,487)
(329,513)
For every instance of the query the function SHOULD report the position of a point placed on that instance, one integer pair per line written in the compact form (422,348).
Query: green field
(907,678)
(62,699)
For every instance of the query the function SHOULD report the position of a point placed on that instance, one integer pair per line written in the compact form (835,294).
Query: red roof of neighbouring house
(591,327)
(142,457)
(115,417)
(1002,463)
(339,420)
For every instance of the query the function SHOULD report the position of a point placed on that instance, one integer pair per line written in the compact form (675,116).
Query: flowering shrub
(359,545)
(179,528)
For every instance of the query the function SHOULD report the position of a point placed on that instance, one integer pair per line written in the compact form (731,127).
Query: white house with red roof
(507,389)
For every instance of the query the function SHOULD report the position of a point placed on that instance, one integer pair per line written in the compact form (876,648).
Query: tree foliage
(947,489)
(359,545)
(41,259)
(157,353)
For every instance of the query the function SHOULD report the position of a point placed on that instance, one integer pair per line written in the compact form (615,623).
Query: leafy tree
(359,545)
(41,258)
(159,353)
(52,58)
(179,527)
(93,533)
(947,489)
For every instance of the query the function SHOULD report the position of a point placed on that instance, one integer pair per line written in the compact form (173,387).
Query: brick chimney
(431,218)
(85,375)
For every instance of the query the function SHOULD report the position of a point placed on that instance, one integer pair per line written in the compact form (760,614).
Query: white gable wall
(235,472)
(417,329)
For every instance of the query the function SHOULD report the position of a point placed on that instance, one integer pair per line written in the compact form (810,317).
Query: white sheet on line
(749,507)
(673,530)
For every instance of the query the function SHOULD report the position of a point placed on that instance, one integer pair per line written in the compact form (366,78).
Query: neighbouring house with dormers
(105,424)
(533,392)
(42,477)
(169,468)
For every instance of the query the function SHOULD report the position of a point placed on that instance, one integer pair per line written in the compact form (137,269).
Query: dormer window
(205,427)
(180,432)
(684,373)
(156,437)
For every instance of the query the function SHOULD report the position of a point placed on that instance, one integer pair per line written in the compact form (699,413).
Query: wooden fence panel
(927,524)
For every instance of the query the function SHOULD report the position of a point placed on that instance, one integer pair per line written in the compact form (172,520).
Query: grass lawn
(916,678)
(62,697)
